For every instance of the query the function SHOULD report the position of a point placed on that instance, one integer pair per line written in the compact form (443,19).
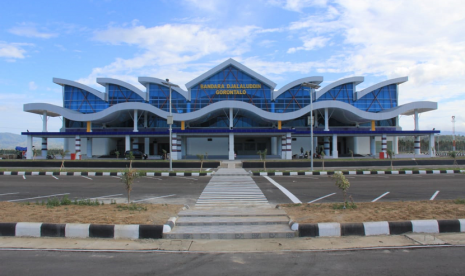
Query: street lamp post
(312,87)
(169,121)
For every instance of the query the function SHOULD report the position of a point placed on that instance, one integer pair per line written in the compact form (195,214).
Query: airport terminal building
(230,110)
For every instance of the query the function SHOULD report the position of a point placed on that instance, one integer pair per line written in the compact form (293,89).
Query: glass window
(81,100)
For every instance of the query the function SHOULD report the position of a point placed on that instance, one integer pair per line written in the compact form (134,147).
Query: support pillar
(135,144)
(384,143)
(274,145)
(77,145)
(335,153)
(147,146)
(89,147)
(283,147)
(231,146)
(355,150)
(174,146)
(395,144)
(326,146)
(127,144)
(326,120)
(288,146)
(431,145)
(417,145)
(231,119)
(29,152)
(44,148)
(373,145)
(135,120)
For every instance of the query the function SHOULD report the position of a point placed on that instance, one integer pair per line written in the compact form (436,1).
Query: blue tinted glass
(82,100)
(293,99)
(378,100)
(343,93)
(159,96)
(118,94)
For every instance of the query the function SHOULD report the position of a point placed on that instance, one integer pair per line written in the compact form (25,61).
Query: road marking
(37,197)
(86,177)
(9,194)
(321,197)
(208,170)
(346,176)
(188,177)
(434,195)
(102,196)
(379,197)
(153,177)
(153,198)
(292,197)
(24,177)
(54,177)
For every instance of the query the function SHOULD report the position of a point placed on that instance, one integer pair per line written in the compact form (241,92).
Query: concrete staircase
(231,206)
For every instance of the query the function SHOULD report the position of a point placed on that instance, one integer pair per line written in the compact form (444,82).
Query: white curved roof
(91,90)
(360,94)
(314,79)
(225,64)
(146,80)
(354,80)
(105,81)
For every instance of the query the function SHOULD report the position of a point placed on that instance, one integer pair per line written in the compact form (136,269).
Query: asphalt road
(186,190)
(426,261)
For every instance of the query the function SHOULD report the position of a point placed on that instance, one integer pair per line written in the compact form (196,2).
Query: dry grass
(376,211)
(103,214)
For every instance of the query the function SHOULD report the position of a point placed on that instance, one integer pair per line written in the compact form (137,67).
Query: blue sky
(281,39)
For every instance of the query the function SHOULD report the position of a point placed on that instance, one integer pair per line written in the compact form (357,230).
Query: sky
(283,40)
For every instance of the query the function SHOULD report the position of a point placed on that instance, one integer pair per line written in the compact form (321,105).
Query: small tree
(130,157)
(200,157)
(390,154)
(262,155)
(63,153)
(343,184)
(351,154)
(35,153)
(117,154)
(128,177)
(453,154)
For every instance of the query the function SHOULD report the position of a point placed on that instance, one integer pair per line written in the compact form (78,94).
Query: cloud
(29,30)
(297,5)
(310,44)
(32,85)
(12,51)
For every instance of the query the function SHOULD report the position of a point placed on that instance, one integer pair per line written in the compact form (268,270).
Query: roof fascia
(359,94)
(91,90)
(106,81)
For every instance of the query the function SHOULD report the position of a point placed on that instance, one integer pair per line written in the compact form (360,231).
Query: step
(211,221)
(231,232)
(232,212)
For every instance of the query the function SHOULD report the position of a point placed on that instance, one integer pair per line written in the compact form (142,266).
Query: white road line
(116,177)
(102,196)
(9,194)
(37,197)
(321,197)
(188,177)
(86,177)
(153,198)
(292,197)
(379,197)
(54,177)
(210,169)
(24,177)
(434,195)
(152,177)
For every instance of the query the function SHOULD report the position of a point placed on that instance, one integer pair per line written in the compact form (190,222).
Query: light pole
(169,121)
(312,87)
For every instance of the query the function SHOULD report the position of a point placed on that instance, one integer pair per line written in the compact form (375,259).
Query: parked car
(137,154)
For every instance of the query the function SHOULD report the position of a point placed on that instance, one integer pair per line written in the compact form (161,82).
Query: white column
(147,145)
(373,145)
(431,144)
(335,153)
(417,145)
(135,121)
(274,145)
(283,147)
(89,147)
(231,119)
(355,149)
(416,120)
(231,146)
(77,146)
(174,147)
(135,144)
(29,152)
(44,122)
(326,140)
(288,146)
(44,147)
(384,143)
(326,120)
(395,144)
(127,143)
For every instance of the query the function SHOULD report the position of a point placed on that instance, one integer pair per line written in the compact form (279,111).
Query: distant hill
(10,141)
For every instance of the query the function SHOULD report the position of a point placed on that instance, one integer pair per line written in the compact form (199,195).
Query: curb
(100,173)
(334,229)
(358,172)
(75,230)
